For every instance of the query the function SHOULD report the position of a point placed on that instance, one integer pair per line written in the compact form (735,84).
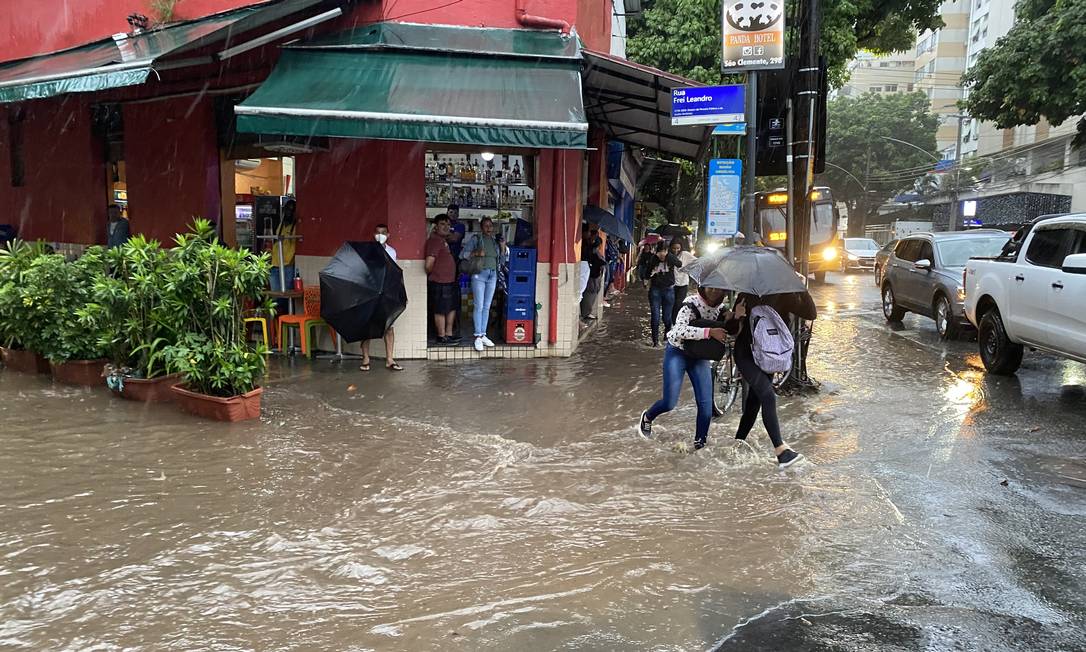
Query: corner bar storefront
(489,119)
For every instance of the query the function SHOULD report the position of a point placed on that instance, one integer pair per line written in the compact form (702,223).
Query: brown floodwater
(510,505)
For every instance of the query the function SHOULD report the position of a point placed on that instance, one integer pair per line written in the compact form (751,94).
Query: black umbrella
(673,230)
(608,222)
(362,291)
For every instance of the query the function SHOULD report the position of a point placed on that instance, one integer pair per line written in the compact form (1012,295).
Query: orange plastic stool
(305,322)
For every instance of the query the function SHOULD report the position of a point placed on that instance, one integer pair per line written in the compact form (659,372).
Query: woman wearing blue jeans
(490,249)
(706,304)
(659,273)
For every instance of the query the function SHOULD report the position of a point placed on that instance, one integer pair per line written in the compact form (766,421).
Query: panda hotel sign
(753,35)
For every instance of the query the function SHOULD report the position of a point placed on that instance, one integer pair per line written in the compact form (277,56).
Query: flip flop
(395,366)
(364,367)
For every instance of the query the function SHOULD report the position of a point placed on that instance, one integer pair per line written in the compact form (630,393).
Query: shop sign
(725,179)
(708,105)
(753,35)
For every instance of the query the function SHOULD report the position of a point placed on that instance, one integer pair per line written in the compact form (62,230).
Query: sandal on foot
(394,367)
(365,366)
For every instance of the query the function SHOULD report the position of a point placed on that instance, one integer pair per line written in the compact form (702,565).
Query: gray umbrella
(760,271)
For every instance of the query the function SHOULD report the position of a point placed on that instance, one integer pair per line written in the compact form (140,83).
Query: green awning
(426,83)
(112,63)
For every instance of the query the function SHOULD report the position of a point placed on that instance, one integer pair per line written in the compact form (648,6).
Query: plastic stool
(263,321)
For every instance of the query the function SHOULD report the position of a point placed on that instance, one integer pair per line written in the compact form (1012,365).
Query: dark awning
(431,83)
(633,104)
(113,63)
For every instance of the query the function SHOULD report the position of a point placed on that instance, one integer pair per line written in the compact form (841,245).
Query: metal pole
(955,218)
(790,223)
(752,154)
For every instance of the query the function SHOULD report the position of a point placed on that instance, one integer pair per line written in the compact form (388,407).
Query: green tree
(684,36)
(1036,70)
(864,167)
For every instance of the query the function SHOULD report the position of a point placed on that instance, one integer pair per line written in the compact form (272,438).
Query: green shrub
(130,308)
(207,287)
(16,322)
(53,292)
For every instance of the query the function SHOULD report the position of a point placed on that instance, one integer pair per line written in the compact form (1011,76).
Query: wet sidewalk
(509,505)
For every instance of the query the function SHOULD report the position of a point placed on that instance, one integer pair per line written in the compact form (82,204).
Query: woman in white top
(707,303)
(682,279)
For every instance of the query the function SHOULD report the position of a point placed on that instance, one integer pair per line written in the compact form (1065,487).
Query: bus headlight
(710,247)
(829,254)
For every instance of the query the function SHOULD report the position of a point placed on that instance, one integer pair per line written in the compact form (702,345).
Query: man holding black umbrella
(380,234)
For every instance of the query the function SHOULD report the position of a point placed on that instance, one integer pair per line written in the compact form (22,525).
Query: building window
(891,88)
(16,158)
(876,89)
(884,64)
(910,88)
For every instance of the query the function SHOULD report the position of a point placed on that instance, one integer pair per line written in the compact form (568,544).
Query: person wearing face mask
(484,250)
(380,234)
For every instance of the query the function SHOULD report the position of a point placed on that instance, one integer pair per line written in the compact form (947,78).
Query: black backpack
(709,348)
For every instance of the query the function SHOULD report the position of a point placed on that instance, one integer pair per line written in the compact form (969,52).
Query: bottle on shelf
(516,172)
(297,281)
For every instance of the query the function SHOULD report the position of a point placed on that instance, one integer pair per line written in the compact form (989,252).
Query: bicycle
(728,383)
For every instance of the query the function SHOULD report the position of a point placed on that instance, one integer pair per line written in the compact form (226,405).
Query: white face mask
(382,238)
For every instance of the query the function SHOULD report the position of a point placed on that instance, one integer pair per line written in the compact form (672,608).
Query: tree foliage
(684,36)
(1036,70)
(854,141)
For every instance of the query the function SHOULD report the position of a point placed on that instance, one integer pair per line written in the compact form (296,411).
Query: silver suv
(924,275)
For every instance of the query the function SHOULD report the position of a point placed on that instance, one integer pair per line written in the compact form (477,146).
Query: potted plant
(130,312)
(17,327)
(208,287)
(54,290)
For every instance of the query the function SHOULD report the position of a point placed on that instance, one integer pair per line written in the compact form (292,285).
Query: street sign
(753,35)
(708,105)
(735,129)
(725,179)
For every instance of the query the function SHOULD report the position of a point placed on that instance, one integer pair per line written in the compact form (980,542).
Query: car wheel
(890,308)
(878,276)
(945,322)
(999,354)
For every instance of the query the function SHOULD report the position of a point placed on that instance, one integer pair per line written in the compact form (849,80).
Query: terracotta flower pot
(235,408)
(79,372)
(155,390)
(25,361)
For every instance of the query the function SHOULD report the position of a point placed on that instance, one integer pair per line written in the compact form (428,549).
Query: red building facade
(58,166)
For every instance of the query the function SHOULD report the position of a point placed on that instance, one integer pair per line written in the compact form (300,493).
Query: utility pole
(955,211)
(803,117)
(752,155)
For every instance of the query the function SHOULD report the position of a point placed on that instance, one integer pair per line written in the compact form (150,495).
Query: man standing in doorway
(287,229)
(117,228)
(457,232)
(590,245)
(380,234)
(441,281)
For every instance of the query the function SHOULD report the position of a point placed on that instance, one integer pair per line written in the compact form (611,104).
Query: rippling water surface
(505,505)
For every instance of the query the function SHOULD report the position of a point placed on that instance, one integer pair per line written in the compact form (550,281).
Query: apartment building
(939,61)
(879,73)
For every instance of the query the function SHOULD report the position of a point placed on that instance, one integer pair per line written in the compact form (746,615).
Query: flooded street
(510,505)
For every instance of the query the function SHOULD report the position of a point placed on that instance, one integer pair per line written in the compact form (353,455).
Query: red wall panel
(63,196)
(172,165)
(345,192)
(29,27)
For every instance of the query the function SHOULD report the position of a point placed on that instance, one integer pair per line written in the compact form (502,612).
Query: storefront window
(499,187)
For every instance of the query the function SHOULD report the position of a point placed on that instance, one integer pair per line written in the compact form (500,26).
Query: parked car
(881,257)
(924,275)
(1033,295)
(859,254)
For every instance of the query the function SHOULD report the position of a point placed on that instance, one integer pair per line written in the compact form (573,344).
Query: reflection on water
(506,505)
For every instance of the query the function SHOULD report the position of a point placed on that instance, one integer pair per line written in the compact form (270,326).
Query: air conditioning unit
(292,145)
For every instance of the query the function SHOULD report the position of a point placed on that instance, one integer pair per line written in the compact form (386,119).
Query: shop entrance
(474,187)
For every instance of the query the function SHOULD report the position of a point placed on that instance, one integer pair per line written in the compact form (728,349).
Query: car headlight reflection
(711,247)
(828,254)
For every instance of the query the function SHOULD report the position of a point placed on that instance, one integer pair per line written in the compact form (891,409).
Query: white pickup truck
(1032,296)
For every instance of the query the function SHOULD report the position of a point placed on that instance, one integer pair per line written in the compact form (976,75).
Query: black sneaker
(644,427)
(717,412)
(788,458)
(699,444)
(453,339)
(441,341)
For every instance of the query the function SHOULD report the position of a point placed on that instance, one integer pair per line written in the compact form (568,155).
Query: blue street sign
(736,129)
(725,192)
(708,105)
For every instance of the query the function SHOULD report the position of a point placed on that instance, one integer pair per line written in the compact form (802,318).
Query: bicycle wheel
(726,381)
